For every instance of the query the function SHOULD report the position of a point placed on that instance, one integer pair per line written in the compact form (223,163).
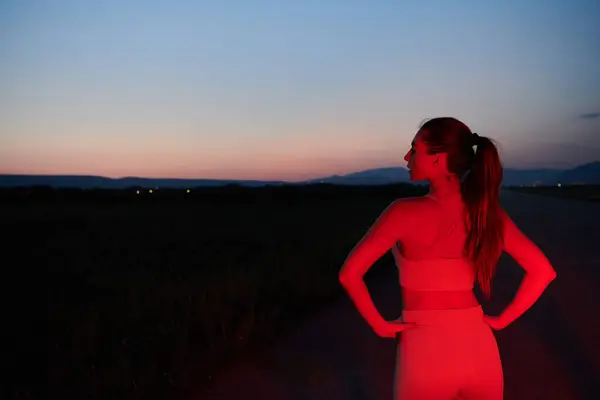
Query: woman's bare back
(438,231)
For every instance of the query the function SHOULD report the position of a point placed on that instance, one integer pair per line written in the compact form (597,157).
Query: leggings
(450,354)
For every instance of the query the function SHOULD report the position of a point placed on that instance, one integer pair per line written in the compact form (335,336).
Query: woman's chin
(414,177)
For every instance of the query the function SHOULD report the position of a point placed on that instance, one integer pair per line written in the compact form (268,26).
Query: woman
(442,243)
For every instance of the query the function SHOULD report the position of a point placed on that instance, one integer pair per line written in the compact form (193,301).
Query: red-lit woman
(442,243)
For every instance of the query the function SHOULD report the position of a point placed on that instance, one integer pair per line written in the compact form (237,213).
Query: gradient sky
(289,89)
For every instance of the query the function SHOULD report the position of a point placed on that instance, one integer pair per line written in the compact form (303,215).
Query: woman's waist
(438,299)
(459,318)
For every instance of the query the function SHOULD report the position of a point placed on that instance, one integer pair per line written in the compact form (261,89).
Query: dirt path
(552,352)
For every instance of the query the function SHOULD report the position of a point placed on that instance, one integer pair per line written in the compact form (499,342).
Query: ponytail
(480,189)
(480,174)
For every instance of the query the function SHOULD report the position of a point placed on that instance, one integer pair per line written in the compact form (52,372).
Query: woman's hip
(453,331)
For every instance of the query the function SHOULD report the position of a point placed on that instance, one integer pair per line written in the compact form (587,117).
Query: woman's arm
(384,233)
(538,271)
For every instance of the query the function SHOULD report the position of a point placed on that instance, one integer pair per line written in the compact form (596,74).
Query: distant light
(188,190)
(137,192)
(559,184)
(150,190)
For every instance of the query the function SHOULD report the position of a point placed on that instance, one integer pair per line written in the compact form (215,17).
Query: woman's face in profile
(418,159)
(423,165)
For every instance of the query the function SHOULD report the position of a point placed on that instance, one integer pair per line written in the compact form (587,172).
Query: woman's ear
(440,161)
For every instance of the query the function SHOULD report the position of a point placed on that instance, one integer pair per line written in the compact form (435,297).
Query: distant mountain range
(100,182)
(588,174)
(583,174)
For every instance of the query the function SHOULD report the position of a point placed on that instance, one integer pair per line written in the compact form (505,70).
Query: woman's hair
(480,175)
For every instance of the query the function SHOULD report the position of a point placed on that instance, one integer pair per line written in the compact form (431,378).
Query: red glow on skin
(404,216)
(414,222)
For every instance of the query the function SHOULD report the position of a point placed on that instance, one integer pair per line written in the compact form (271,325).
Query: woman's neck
(443,188)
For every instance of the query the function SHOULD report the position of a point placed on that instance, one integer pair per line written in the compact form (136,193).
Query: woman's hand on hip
(496,323)
(392,328)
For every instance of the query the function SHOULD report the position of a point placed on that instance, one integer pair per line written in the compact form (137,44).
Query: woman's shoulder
(414,203)
(412,208)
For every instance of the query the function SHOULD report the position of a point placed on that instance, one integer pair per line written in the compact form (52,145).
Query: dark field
(582,192)
(149,295)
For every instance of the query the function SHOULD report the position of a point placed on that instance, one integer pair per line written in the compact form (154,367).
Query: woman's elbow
(343,278)
(347,279)
(547,275)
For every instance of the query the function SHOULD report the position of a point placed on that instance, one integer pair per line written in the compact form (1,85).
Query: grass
(150,295)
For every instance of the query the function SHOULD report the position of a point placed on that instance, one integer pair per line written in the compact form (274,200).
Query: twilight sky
(290,90)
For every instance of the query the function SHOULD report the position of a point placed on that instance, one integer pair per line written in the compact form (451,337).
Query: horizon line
(268,180)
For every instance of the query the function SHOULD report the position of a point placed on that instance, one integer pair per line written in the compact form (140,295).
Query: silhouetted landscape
(581,192)
(149,295)
(587,174)
(151,292)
